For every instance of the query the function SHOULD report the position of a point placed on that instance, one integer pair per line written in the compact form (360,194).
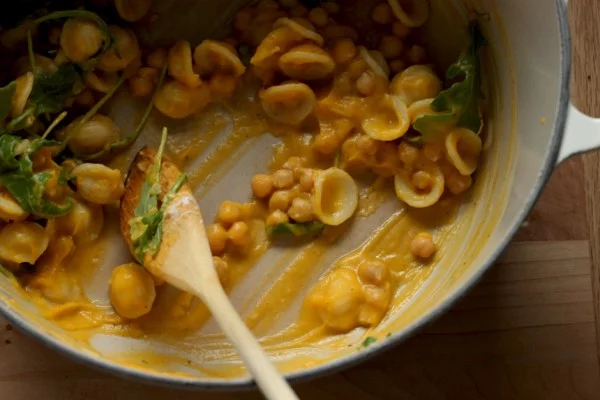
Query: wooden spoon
(184,260)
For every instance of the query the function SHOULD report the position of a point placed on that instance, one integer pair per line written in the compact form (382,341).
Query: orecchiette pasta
(289,103)
(412,13)
(389,121)
(93,136)
(215,57)
(307,32)
(180,64)
(335,196)
(10,210)
(306,62)
(376,61)
(22,242)
(176,100)
(81,39)
(83,223)
(433,128)
(415,83)
(124,50)
(98,183)
(23,65)
(463,147)
(133,10)
(22,92)
(430,180)
(101,81)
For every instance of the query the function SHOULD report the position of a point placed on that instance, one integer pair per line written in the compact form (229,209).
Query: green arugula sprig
(460,102)
(146,226)
(296,228)
(19,179)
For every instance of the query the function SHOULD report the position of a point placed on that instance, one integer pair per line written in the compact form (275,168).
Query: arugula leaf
(29,192)
(51,90)
(8,160)
(460,101)
(297,229)
(146,226)
(6,95)
(368,341)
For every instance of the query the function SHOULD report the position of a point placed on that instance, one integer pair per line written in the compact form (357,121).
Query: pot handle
(582,133)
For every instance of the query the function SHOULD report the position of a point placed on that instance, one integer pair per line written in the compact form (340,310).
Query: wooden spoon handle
(269,380)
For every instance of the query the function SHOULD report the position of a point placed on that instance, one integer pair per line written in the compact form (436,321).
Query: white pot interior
(523,67)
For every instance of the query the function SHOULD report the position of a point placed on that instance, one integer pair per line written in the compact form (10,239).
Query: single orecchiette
(22,92)
(22,242)
(176,100)
(215,57)
(180,64)
(289,103)
(415,83)
(463,147)
(98,183)
(10,209)
(431,182)
(306,62)
(412,13)
(125,48)
(388,121)
(93,136)
(335,196)
(101,81)
(80,39)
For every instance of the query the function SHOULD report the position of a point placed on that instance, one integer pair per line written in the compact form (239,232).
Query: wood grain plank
(584,17)
(526,331)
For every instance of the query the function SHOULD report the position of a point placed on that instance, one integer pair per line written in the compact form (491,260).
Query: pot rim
(97,362)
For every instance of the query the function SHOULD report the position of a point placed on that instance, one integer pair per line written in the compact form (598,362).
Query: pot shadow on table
(526,331)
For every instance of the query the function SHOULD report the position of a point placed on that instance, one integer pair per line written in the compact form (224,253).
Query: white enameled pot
(532,127)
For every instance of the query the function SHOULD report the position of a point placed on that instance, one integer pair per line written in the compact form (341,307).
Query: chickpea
(217,238)
(366,145)
(382,14)
(98,183)
(343,51)
(288,3)
(222,269)
(365,84)
(458,183)
(416,55)
(280,200)
(229,212)
(242,20)
(262,185)
(132,290)
(85,98)
(331,7)
(83,223)
(422,180)
(301,210)
(391,46)
(374,272)
(293,163)
(80,39)
(397,66)
(124,50)
(93,136)
(407,153)
(277,217)
(433,151)
(422,245)
(23,242)
(400,30)
(298,11)
(306,179)
(132,10)
(157,58)
(357,67)
(143,83)
(318,16)
(239,234)
(283,179)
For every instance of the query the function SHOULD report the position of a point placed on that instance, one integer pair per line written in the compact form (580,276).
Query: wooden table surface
(529,330)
